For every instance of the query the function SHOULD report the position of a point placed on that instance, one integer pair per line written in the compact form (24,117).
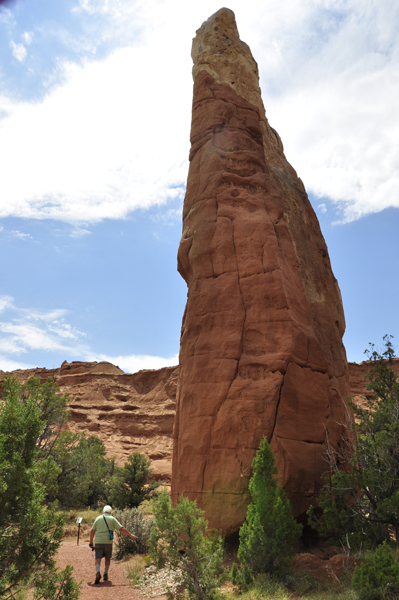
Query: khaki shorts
(103,550)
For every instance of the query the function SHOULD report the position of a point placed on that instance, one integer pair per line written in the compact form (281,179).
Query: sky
(95,110)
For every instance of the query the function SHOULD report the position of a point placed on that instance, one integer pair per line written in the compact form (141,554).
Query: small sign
(79,520)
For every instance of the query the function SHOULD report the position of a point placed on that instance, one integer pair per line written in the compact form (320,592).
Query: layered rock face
(129,412)
(261,346)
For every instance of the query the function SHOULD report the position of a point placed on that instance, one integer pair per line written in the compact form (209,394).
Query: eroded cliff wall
(129,412)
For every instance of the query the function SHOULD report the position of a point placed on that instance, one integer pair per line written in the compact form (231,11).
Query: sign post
(79,520)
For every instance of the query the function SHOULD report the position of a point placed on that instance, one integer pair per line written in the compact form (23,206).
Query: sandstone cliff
(130,413)
(261,346)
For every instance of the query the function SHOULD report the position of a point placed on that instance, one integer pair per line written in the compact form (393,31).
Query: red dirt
(82,559)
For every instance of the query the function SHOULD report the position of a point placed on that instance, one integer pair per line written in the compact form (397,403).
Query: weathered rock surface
(129,412)
(261,346)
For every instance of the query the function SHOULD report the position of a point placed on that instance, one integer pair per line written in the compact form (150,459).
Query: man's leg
(106,569)
(98,574)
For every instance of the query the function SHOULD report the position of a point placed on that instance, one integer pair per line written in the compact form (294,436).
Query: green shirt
(101,528)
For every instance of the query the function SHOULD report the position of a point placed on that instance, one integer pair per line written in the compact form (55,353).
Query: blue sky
(95,101)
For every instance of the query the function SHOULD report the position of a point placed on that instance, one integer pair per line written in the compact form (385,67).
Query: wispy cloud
(78,232)
(19,51)
(21,236)
(8,365)
(24,330)
(27,36)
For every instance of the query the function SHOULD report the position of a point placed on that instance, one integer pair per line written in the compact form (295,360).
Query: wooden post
(79,520)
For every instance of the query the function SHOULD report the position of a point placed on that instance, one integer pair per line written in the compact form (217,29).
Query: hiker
(103,528)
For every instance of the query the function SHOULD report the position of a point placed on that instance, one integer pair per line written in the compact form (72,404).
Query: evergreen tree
(82,469)
(131,484)
(269,534)
(361,491)
(30,534)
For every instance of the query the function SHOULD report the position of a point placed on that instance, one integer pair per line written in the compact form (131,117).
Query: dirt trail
(82,559)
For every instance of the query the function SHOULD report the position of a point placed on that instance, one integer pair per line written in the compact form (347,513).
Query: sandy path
(82,559)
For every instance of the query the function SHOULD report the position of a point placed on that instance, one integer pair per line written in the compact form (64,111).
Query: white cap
(107,509)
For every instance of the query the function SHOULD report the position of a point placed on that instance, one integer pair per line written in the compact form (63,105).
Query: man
(103,545)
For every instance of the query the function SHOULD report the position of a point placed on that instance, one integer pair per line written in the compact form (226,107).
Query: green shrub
(136,523)
(378,576)
(234,574)
(242,577)
(180,537)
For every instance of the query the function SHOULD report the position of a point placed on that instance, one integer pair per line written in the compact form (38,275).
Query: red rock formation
(261,346)
(130,413)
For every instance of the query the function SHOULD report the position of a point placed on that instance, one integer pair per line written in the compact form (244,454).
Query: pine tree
(269,534)
(361,491)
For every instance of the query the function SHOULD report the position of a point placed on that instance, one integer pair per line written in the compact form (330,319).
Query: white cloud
(27,36)
(100,146)
(340,124)
(18,51)
(8,365)
(136,362)
(5,302)
(78,232)
(22,236)
(26,329)
(113,137)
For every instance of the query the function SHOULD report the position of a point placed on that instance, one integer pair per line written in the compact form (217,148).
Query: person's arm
(126,532)
(92,534)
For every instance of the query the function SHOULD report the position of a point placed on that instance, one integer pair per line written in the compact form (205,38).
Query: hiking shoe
(98,577)
(105,576)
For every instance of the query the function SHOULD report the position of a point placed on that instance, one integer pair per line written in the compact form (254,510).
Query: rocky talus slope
(261,347)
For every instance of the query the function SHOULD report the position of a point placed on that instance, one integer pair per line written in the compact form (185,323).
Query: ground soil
(118,587)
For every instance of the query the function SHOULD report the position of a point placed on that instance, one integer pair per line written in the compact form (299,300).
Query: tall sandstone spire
(261,344)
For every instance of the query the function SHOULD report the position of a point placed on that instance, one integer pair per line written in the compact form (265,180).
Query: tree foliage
(361,491)
(269,534)
(53,410)
(181,538)
(30,534)
(83,469)
(378,576)
(131,484)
